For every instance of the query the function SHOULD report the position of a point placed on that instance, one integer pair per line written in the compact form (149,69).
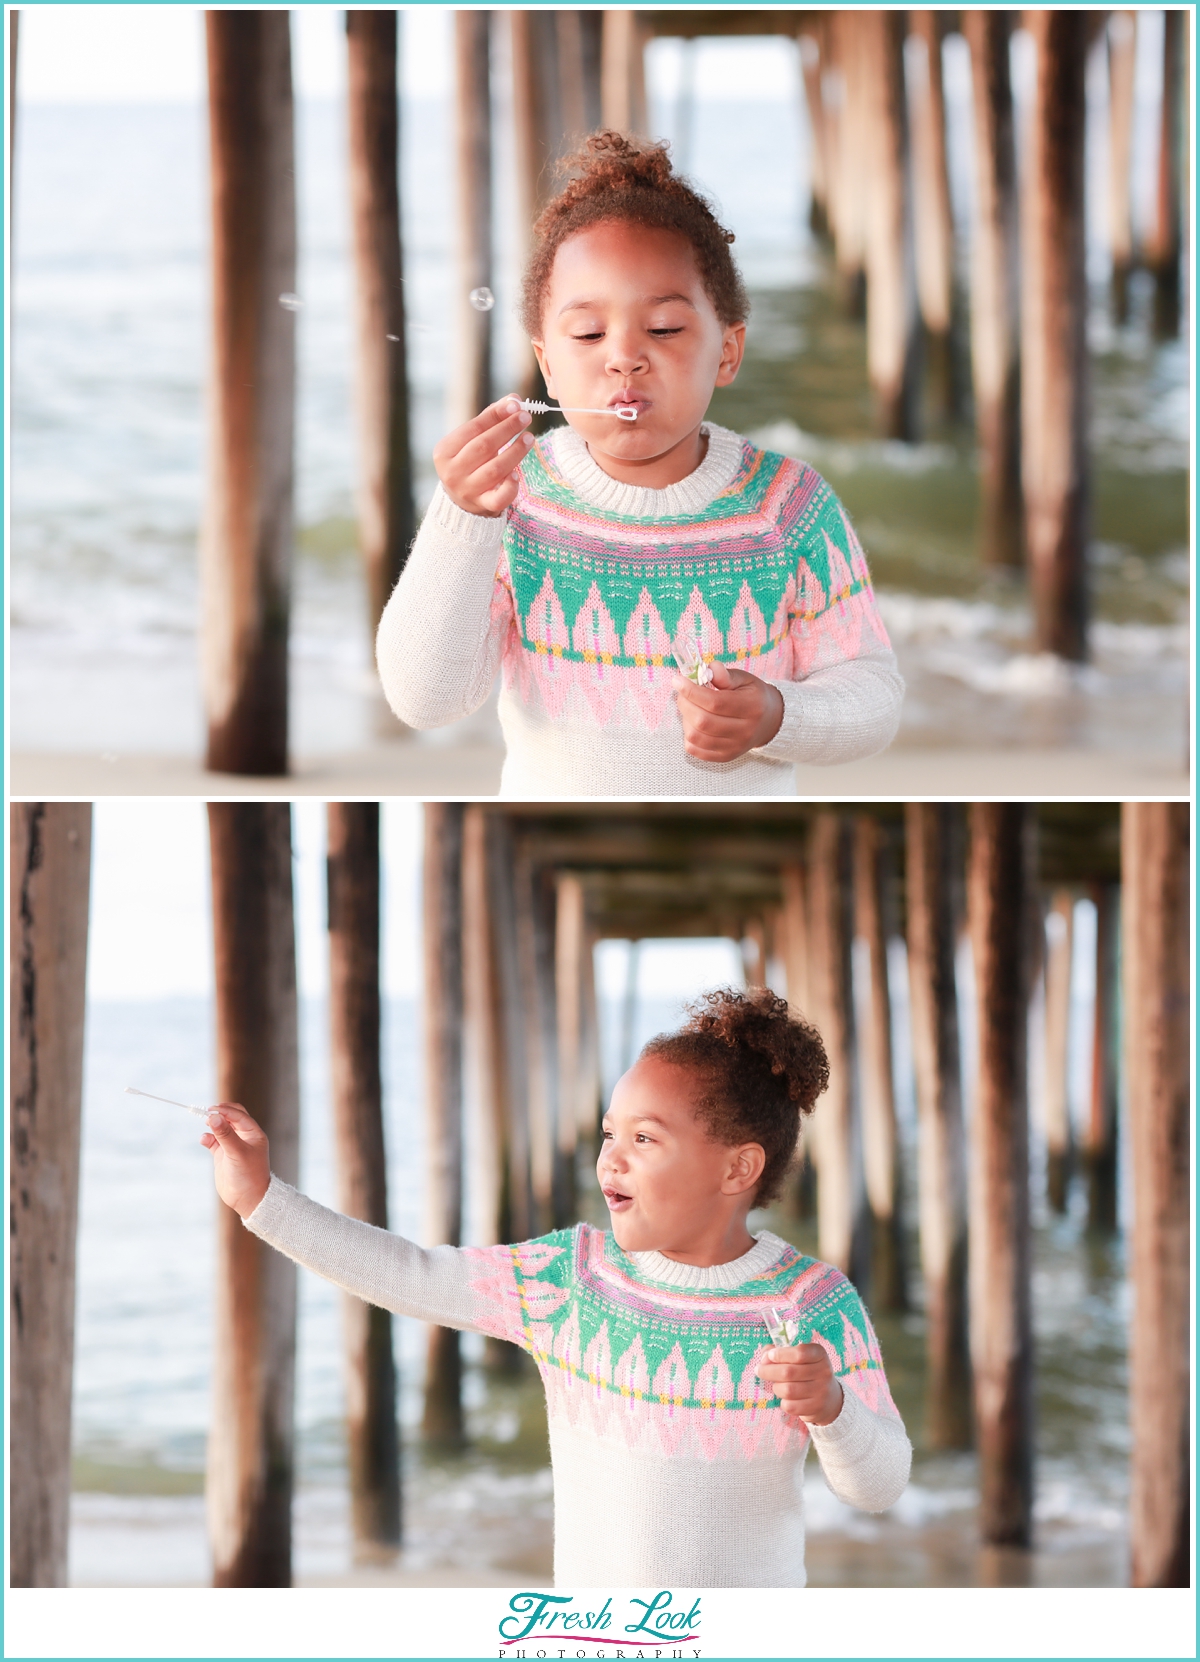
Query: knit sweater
(673,1463)
(578,592)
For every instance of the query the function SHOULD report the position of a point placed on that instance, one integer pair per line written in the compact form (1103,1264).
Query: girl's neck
(708,1249)
(656,472)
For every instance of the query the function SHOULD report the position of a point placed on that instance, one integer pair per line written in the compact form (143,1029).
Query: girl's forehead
(634,251)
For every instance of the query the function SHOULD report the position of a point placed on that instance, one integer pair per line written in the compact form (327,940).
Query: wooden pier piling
(931,872)
(881,1163)
(891,301)
(1155,909)
(848,98)
(1122,61)
(1060,941)
(998,884)
(246,545)
(251,1439)
(356,1089)
(1054,372)
(995,353)
(509,983)
(386,516)
(575,1005)
(1100,1142)
(842,1221)
(443,1019)
(623,72)
(819,159)
(473,386)
(49,869)
(933,223)
(484,1067)
(1164,241)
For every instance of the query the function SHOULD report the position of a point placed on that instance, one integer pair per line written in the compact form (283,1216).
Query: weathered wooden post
(1155,909)
(1122,60)
(881,1148)
(443,1010)
(998,884)
(473,105)
(819,160)
(483,1053)
(623,72)
(933,223)
(1100,1147)
(578,1085)
(250,1443)
(842,1226)
(387,520)
(848,98)
(891,302)
(794,935)
(356,1088)
(995,359)
(1054,377)
(508,971)
(535,951)
(794,949)
(931,868)
(754,952)
(246,544)
(1060,944)
(1164,241)
(50,851)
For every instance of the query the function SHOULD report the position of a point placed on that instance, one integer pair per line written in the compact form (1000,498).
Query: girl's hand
(476,472)
(803,1381)
(735,713)
(241,1157)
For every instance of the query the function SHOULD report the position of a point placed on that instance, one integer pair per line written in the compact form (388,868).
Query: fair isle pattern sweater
(673,1463)
(579,592)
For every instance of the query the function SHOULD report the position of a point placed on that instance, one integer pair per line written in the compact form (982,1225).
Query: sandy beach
(423,769)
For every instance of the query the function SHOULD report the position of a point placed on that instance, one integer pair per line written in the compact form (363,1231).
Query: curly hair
(615,177)
(761,1069)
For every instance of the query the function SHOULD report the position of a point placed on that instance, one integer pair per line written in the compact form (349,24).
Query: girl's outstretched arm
(470,1288)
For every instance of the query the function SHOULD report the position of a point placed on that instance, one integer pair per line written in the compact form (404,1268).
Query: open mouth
(617,1202)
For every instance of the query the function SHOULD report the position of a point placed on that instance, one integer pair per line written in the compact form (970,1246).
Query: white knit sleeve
(841,713)
(466,1288)
(442,634)
(866,1457)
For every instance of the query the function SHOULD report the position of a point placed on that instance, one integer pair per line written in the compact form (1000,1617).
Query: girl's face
(668,1186)
(626,322)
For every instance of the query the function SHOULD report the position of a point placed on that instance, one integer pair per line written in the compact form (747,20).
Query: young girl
(677,1431)
(586,563)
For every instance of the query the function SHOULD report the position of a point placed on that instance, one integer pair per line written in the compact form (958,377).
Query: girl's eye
(676,329)
(596,334)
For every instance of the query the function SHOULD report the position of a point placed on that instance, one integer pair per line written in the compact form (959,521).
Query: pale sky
(155,54)
(151,932)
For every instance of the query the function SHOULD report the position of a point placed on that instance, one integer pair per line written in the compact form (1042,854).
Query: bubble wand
(534,407)
(192,1108)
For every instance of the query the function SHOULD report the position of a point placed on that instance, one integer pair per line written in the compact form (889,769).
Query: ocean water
(108,373)
(144,1326)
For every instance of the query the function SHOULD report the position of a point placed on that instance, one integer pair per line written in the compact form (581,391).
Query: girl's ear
(733,349)
(744,1169)
(539,348)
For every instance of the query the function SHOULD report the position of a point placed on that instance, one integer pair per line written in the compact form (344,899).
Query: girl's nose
(625,357)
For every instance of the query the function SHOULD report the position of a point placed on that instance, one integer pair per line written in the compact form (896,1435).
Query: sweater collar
(688,496)
(767,1250)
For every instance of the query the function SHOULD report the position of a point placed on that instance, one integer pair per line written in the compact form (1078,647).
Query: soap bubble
(290,302)
(482,299)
